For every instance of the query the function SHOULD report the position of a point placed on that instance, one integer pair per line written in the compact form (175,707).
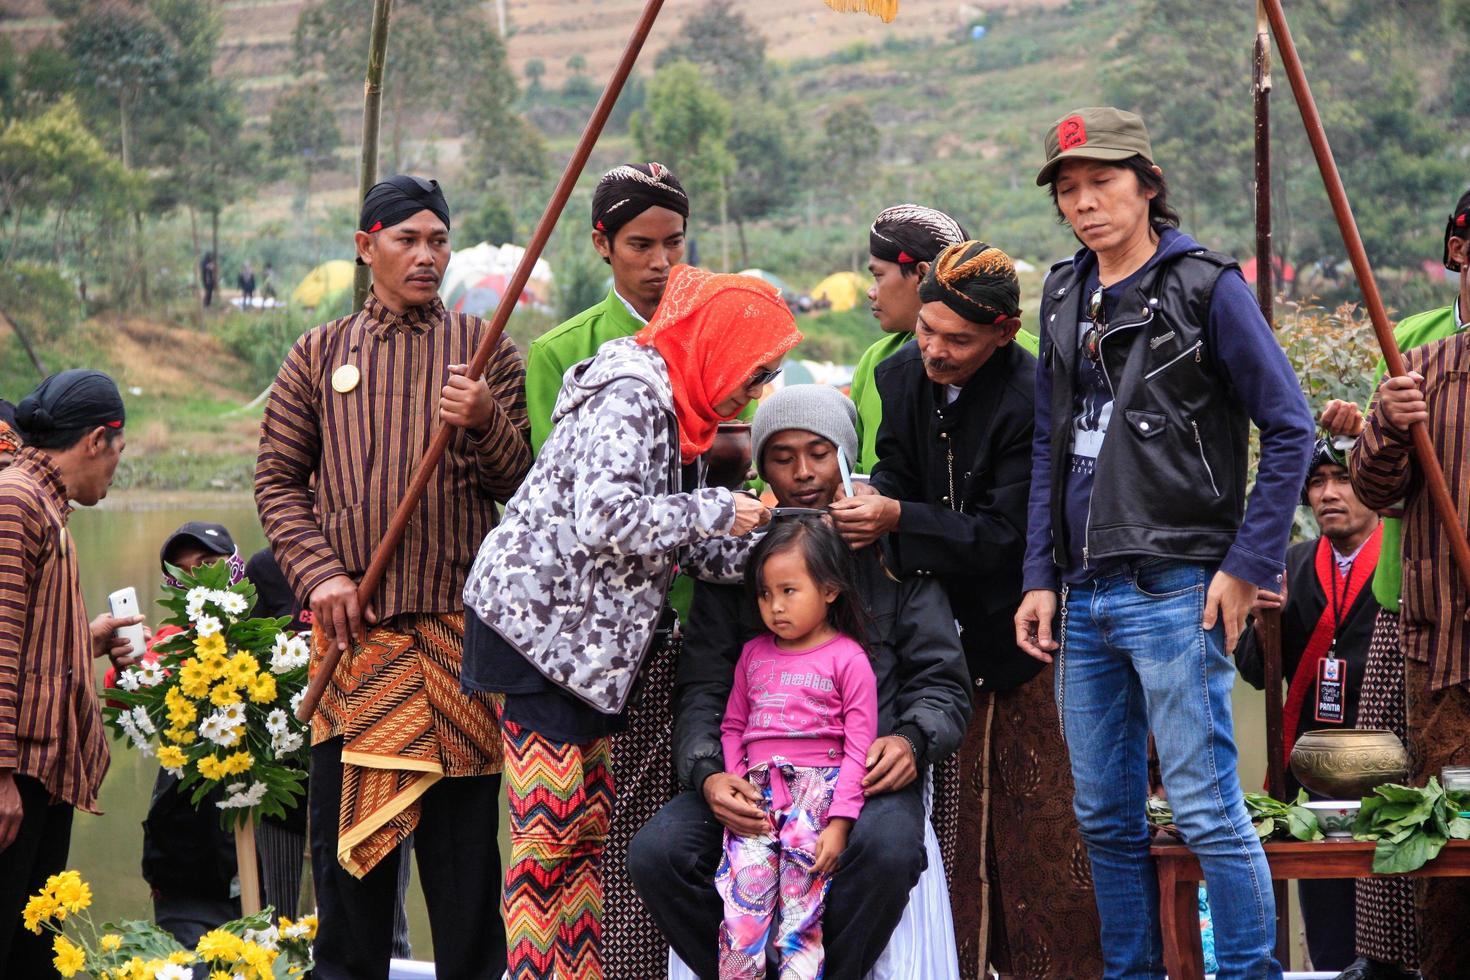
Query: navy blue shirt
(1092,408)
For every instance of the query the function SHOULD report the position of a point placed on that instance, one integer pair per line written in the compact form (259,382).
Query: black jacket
(979,445)
(922,689)
(1305,602)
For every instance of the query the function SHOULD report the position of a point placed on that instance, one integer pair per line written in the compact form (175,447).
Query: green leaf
(1399,793)
(1459,828)
(1265,828)
(1302,824)
(1409,855)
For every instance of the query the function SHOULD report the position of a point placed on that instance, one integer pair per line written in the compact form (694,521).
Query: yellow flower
(224,693)
(240,762)
(243,668)
(181,957)
(310,923)
(172,757)
(70,891)
(210,646)
(110,943)
(183,736)
(181,711)
(194,680)
(263,689)
(220,975)
(210,767)
(216,664)
(217,945)
(38,909)
(69,958)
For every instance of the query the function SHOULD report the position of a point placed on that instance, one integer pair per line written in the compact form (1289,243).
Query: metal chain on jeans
(1062,667)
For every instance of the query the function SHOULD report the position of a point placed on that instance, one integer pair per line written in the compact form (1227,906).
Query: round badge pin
(345,378)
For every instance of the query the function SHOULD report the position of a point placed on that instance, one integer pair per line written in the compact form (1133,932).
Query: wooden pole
(1433,474)
(430,461)
(248,866)
(1266,298)
(372,114)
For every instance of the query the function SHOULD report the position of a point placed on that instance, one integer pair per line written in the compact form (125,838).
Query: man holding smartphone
(53,753)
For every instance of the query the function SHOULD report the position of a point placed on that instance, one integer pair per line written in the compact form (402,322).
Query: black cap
(213,538)
(1457,227)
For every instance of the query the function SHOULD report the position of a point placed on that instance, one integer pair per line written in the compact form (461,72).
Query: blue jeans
(1135,660)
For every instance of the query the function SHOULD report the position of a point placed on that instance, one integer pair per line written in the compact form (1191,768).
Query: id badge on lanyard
(1331,688)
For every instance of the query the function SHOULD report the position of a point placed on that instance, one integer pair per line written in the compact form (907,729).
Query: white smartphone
(124,603)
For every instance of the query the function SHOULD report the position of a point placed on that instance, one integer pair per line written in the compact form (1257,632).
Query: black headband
(399,198)
(625,192)
(73,400)
(910,233)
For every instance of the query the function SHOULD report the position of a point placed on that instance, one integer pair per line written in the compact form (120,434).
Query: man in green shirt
(902,242)
(639,216)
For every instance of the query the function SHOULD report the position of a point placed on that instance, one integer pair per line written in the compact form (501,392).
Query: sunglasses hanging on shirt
(1098,315)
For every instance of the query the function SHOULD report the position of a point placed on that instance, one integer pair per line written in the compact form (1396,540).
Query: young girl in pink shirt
(802,714)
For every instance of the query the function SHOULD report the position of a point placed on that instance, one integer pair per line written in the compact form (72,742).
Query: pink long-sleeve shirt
(816,707)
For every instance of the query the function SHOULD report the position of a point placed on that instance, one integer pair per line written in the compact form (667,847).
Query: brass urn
(1348,763)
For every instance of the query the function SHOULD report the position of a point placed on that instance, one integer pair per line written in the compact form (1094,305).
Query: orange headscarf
(9,439)
(714,332)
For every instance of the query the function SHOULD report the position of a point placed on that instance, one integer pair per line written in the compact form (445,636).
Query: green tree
(304,136)
(770,163)
(726,46)
(122,50)
(686,125)
(446,64)
(491,220)
(535,71)
(850,143)
(577,86)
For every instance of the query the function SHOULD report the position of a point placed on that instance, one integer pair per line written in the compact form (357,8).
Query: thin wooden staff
(1270,620)
(430,461)
(372,114)
(1434,480)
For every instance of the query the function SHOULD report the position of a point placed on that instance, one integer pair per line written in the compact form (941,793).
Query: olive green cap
(1094,133)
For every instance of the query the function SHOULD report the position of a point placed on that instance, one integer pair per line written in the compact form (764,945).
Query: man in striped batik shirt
(1434,606)
(396,745)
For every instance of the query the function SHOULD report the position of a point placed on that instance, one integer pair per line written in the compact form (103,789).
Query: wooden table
(1179,878)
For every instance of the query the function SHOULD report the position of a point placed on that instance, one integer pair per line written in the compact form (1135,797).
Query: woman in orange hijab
(564,597)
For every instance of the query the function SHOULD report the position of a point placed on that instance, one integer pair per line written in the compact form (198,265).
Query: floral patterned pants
(760,877)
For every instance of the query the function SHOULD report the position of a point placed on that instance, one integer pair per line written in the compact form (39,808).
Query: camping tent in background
(787,293)
(477,277)
(815,372)
(841,290)
(1283,272)
(323,283)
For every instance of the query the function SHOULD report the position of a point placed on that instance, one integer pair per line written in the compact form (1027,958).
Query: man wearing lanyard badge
(1327,613)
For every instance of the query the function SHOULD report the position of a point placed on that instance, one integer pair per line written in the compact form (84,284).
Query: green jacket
(562,346)
(865,393)
(1413,331)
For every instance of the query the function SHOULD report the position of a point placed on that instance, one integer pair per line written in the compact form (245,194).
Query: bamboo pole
(432,456)
(1433,474)
(372,114)
(248,866)
(1266,298)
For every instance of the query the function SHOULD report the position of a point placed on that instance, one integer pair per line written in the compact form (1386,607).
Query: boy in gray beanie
(819,409)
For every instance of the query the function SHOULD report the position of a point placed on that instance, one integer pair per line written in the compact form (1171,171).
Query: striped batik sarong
(560,799)
(405,724)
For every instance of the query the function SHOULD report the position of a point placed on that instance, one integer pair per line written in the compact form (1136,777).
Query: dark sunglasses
(762,378)
(1098,315)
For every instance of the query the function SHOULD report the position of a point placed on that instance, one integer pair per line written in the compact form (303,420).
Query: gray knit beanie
(818,409)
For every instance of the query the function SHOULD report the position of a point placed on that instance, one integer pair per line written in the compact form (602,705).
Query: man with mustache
(950,490)
(396,746)
(1327,616)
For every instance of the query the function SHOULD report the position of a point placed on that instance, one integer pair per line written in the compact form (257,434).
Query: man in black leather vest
(949,489)
(1154,362)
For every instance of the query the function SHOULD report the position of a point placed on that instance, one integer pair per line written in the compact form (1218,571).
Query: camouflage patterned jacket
(575,574)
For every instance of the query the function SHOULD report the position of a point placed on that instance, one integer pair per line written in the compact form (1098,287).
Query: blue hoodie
(1247,356)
